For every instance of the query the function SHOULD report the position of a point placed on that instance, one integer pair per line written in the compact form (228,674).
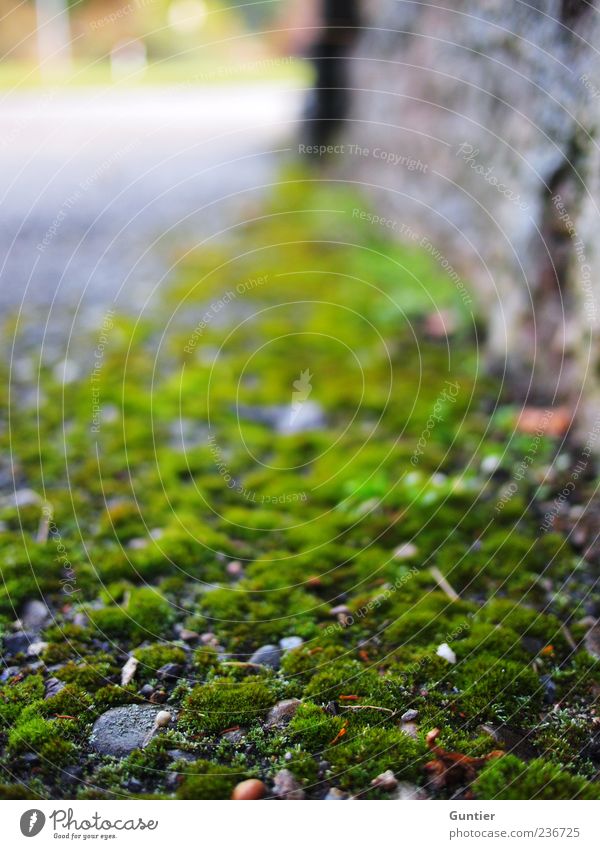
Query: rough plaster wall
(504,78)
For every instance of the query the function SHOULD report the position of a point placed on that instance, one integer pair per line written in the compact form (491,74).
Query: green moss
(303,767)
(496,689)
(70,701)
(205,659)
(58,653)
(146,614)
(363,496)
(151,658)
(150,612)
(367,752)
(223,704)
(510,778)
(89,673)
(204,780)
(14,697)
(113,695)
(32,735)
(111,622)
(342,678)
(312,728)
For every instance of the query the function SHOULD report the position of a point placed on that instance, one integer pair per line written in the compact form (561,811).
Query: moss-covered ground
(165,517)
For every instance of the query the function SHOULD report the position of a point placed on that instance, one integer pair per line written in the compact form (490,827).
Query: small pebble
(128,670)
(158,697)
(290,643)
(409,715)
(490,464)
(386,781)
(267,656)
(234,736)
(249,790)
(336,795)
(282,712)
(35,614)
(23,498)
(285,786)
(444,651)
(234,569)
(406,550)
(52,687)
(188,636)
(407,792)
(36,648)
(410,728)
(163,718)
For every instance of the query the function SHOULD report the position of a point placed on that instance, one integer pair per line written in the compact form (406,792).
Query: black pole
(329,99)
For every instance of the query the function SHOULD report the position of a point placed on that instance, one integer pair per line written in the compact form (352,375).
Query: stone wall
(493,108)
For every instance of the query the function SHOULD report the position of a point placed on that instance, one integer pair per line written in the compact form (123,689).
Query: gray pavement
(99,189)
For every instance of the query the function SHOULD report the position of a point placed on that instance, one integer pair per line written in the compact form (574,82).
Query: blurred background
(151,40)
(130,130)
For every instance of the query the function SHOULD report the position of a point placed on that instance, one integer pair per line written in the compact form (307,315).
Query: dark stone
(52,687)
(549,689)
(513,740)
(9,672)
(409,715)
(169,672)
(17,642)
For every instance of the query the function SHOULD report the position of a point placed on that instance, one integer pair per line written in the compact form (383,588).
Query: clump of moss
(71,701)
(147,613)
(32,734)
(312,728)
(304,660)
(152,657)
(510,778)
(15,697)
(205,659)
(89,673)
(365,753)
(496,689)
(302,765)
(223,704)
(113,695)
(205,780)
(341,678)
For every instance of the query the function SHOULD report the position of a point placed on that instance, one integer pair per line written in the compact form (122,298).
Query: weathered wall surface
(498,102)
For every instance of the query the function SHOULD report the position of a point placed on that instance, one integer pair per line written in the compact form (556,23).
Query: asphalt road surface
(100,188)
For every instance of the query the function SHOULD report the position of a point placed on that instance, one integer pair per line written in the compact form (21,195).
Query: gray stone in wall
(498,103)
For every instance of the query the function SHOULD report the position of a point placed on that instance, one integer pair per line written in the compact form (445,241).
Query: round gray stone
(121,730)
(267,656)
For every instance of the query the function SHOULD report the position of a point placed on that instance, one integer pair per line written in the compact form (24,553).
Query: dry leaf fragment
(128,671)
